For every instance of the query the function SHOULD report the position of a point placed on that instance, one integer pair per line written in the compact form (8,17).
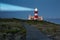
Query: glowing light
(7,7)
(36,9)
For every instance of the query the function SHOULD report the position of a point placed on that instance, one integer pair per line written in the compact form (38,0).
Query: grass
(45,27)
(12,26)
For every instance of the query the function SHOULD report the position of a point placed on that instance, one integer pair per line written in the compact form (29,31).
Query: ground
(12,29)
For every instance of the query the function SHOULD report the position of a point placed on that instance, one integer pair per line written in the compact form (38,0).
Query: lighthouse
(35,14)
(35,17)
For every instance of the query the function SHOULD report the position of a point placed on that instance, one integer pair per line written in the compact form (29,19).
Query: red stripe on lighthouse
(35,14)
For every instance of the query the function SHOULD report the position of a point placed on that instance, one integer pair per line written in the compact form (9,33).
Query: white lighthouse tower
(35,17)
(35,14)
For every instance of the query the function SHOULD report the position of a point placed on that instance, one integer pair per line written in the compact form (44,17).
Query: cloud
(8,7)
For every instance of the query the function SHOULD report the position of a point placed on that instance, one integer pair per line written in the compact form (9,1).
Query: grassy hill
(12,29)
(52,30)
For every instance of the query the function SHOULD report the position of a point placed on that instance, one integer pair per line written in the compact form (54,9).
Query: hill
(52,30)
(12,29)
(14,26)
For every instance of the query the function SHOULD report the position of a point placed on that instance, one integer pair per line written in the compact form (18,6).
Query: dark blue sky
(47,8)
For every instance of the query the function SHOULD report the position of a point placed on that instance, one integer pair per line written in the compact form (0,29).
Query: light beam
(8,7)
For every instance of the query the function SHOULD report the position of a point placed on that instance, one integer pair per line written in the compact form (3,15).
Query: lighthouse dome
(36,9)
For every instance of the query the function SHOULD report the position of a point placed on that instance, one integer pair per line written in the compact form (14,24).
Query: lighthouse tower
(35,17)
(35,14)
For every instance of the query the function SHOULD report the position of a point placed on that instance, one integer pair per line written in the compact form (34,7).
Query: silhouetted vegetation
(12,28)
(48,28)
